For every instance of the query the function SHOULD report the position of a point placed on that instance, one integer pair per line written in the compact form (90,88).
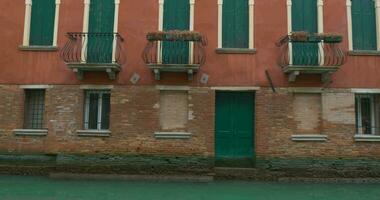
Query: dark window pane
(93,111)
(106,111)
(366,115)
(34,109)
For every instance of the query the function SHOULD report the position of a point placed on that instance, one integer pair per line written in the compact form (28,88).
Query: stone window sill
(364,53)
(235,51)
(38,48)
(367,138)
(93,133)
(172,135)
(309,138)
(30,132)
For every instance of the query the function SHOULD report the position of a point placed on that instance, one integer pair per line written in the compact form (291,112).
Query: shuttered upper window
(235,24)
(364,24)
(42,23)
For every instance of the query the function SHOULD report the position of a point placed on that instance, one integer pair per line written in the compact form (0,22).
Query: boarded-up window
(173,110)
(307,110)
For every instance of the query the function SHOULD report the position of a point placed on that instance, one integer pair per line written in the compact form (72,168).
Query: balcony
(304,53)
(94,52)
(175,51)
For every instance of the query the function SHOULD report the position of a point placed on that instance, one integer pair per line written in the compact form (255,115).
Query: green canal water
(40,188)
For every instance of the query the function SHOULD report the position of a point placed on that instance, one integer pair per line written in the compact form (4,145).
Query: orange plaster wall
(136,18)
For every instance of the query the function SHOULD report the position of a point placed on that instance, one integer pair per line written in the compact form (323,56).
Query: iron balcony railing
(311,52)
(93,48)
(175,48)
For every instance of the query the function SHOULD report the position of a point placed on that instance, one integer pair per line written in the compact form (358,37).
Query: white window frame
(251,22)
(27,22)
(86,22)
(359,116)
(349,23)
(320,26)
(161,28)
(87,108)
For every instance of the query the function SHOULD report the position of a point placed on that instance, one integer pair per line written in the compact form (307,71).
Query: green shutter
(364,24)
(101,20)
(42,23)
(235,32)
(305,18)
(176,17)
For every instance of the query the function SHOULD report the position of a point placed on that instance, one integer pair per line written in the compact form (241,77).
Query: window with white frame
(41,22)
(97,110)
(367,114)
(236,24)
(34,108)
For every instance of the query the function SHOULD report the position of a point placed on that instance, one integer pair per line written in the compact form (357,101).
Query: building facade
(191,84)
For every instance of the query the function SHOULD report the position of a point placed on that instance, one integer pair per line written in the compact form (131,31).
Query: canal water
(41,188)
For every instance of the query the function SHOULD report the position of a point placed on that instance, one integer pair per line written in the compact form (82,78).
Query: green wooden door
(100,37)
(235,24)
(42,23)
(364,25)
(176,17)
(234,128)
(305,18)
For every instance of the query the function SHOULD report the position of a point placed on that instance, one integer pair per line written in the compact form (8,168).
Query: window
(97,110)
(34,108)
(173,110)
(363,24)
(176,17)
(307,110)
(367,113)
(235,24)
(41,19)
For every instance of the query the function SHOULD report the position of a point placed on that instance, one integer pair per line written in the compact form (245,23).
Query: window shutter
(42,22)
(305,15)
(364,24)
(235,24)
(305,18)
(176,17)
(102,14)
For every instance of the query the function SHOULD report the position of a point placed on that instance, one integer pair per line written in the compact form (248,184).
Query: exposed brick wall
(276,122)
(133,120)
(135,117)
